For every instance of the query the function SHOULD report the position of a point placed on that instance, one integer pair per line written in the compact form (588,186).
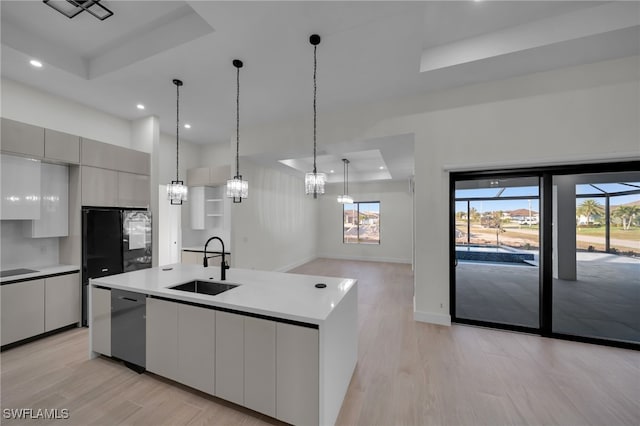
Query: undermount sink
(204,287)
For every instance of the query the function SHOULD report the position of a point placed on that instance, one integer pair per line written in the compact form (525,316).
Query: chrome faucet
(223,263)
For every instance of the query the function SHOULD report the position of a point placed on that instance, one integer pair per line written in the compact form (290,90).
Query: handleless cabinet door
(162,338)
(54,203)
(22,310)
(297,376)
(230,357)
(196,347)
(22,138)
(260,365)
(101,325)
(20,188)
(99,187)
(61,301)
(61,146)
(133,190)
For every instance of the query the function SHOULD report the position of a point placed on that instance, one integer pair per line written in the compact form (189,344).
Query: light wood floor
(408,373)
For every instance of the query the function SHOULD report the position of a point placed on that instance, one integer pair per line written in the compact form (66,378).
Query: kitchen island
(275,343)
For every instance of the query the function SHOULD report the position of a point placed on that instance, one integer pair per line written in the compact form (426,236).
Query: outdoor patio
(604,302)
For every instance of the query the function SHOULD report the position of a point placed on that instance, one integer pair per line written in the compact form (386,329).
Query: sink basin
(204,287)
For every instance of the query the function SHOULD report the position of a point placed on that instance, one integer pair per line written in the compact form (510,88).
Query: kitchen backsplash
(18,251)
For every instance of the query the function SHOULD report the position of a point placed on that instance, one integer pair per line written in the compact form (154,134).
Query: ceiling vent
(71,8)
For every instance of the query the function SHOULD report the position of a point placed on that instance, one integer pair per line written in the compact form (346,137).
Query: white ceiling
(370,51)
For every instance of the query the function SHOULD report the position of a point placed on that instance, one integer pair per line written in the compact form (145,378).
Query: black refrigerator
(113,241)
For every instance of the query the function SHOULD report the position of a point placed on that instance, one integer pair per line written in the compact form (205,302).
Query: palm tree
(474,214)
(627,214)
(590,208)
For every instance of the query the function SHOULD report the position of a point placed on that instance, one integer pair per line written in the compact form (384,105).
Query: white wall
(29,105)
(218,154)
(396,229)
(18,251)
(275,228)
(580,114)
(189,158)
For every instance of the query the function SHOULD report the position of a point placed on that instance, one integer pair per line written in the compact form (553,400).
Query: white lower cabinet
(264,365)
(196,347)
(61,301)
(162,338)
(230,357)
(101,325)
(260,365)
(22,310)
(297,374)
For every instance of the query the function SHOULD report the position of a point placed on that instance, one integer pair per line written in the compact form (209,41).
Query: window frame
(357,203)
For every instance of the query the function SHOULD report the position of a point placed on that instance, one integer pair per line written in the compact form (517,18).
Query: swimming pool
(492,254)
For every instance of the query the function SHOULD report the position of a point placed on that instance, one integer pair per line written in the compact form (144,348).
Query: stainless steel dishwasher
(128,328)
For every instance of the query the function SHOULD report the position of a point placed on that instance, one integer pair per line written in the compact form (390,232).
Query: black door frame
(545,175)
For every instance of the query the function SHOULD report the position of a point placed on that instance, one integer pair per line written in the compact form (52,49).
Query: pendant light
(345,198)
(314,181)
(177,190)
(236,187)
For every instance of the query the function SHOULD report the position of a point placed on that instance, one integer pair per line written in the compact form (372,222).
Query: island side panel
(338,355)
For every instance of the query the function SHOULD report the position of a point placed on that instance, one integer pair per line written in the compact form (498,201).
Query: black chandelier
(72,8)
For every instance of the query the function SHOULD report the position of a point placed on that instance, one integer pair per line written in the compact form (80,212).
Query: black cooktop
(12,272)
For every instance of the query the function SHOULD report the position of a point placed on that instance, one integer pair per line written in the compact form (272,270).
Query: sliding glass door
(554,251)
(497,250)
(596,270)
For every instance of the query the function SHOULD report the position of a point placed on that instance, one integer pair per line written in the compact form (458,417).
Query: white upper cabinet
(20,188)
(54,203)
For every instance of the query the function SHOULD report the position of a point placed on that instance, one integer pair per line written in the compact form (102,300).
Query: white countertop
(42,271)
(277,294)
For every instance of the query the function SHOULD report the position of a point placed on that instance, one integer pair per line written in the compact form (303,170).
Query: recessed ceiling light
(187,126)
(35,63)
(332,171)
(381,167)
(140,106)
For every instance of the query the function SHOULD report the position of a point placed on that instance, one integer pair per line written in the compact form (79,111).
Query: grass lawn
(632,234)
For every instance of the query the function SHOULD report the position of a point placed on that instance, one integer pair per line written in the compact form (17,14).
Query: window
(361,223)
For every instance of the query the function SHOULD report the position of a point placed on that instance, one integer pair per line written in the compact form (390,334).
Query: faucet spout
(223,263)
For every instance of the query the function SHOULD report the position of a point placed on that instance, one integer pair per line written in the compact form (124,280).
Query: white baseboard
(432,318)
(295,264)
(365,258)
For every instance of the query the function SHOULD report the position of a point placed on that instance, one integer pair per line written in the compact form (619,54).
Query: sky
(508,205)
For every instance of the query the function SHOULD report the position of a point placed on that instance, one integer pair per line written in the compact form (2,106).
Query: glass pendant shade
(237,189)
(177,192)
(345,199)
(314,183)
